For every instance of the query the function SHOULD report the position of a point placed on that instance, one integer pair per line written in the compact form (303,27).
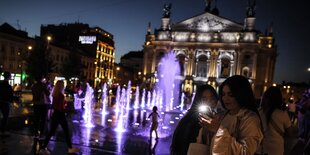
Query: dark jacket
(6,92)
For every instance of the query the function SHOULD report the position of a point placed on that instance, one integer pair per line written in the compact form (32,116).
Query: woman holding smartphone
(188,128)
(239,131)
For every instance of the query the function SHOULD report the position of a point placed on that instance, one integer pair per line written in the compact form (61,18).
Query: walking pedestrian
(41,101)
(59,117)
(6,98)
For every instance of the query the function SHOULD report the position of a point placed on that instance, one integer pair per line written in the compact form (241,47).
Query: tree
(39,62)
(72,66)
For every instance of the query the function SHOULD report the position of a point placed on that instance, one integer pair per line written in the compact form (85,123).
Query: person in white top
(275,121)
(154,126)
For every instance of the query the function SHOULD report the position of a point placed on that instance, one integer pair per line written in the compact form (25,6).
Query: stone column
(190,62)
(239,58)
(231,68)
(254,66)
(213,63)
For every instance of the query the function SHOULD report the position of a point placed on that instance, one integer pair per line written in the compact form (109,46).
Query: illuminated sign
(87,39)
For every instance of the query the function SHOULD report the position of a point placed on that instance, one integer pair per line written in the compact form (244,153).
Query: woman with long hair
(276,121)
(59,117)
(239,130)
(188,128)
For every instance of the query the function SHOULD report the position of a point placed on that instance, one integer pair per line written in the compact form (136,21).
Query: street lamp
(29,48)
(49,38)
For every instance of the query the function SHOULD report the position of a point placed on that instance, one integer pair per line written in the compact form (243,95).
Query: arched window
(202,66)
(181,59)
(246,71)
(225,68)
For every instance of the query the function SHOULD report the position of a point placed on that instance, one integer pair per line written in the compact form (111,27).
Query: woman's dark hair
(188,128)
(241,90)
(272,100)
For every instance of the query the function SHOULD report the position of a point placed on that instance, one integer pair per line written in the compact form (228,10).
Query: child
(154,126)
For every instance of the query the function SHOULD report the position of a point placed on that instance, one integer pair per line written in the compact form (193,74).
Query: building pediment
(207,22)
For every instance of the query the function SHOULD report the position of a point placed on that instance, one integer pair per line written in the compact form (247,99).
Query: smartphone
(205,110)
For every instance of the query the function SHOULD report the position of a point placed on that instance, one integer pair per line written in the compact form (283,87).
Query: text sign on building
(87,39)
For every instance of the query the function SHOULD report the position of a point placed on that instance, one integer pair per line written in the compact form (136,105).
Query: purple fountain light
(89,96)
(169,68)
(136,103)
(104,98)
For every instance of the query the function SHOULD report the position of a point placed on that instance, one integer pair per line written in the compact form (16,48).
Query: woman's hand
(211,124)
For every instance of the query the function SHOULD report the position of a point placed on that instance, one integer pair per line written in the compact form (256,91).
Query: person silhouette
(59,117)
(6,97)
(41,101)
(154,126)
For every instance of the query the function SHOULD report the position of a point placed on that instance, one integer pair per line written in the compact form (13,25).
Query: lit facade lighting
(269,45)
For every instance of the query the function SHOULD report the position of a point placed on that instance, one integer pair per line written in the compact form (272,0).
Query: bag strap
(274,125)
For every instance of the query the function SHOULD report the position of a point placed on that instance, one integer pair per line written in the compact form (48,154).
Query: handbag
(197,149)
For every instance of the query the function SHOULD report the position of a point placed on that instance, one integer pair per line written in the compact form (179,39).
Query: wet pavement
(102,138)
(106,137)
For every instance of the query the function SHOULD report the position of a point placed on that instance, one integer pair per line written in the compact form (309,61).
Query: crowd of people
(234,124)
(224,122)
(49,105)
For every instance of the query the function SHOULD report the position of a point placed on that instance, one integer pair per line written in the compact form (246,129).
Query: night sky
(127,20)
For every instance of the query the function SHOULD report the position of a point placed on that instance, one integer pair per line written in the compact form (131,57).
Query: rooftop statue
(166,9)
(208,5)
(251,8)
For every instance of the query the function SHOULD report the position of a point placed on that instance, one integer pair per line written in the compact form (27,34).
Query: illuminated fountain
(89,98)
(104,99)
(168,70)
(137,97)
(120,109)
(130,114)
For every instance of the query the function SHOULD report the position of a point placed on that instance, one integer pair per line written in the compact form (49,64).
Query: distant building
(123,74)
(211,48)
(15,45)
(97,43)
(134,62)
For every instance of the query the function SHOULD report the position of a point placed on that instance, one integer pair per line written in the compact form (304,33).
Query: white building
(211,48)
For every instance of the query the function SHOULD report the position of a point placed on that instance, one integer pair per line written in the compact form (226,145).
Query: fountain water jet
(89,98)
(169,68)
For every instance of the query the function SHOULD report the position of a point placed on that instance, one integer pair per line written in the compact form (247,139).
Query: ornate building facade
(211,48)
(95,41)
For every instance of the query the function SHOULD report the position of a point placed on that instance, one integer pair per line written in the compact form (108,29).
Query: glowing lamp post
(49,38)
